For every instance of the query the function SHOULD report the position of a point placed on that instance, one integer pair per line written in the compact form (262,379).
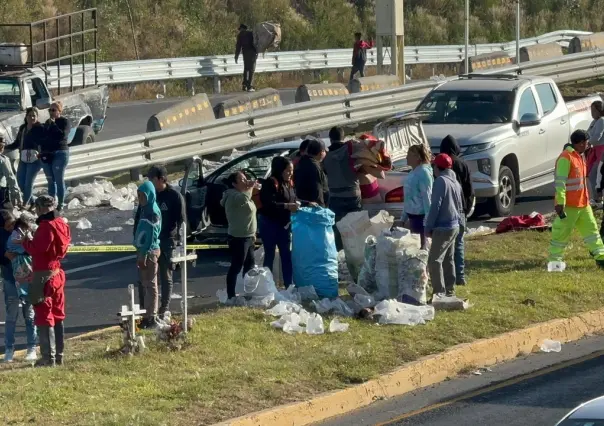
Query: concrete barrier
(195,110)
(309,92)
(487,61)
(262,99)
(540,52)
(585,43)
(377,82)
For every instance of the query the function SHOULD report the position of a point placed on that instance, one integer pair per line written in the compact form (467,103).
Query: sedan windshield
(463,107)
(10,94)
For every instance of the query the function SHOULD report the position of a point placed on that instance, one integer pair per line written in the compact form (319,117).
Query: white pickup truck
(510,130)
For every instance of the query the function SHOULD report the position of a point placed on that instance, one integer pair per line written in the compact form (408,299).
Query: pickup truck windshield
(463,107)
(10,95)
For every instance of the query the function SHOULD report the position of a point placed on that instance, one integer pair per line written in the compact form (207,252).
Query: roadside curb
(426,371)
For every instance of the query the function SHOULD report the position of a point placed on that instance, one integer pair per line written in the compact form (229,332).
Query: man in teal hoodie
(146,242)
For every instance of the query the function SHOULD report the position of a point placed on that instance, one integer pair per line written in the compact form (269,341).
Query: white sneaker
(8,355)
(31,355)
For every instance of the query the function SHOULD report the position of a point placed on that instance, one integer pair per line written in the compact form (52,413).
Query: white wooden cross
(181,256)
(132,313)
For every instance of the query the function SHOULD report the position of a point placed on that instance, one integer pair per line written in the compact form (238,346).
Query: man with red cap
(442,225)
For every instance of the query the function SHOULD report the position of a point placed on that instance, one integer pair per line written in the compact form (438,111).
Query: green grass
(237,364)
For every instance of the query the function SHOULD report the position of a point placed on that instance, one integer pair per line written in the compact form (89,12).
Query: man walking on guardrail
(572,204)
(359,55)
(245,44)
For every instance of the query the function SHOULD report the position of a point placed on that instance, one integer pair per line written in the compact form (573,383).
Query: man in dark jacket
(173,215)
(344,186)
(359,55)
(245,44)
(310,180)
(450,147)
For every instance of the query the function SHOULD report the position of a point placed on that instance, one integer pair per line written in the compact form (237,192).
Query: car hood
(465,134)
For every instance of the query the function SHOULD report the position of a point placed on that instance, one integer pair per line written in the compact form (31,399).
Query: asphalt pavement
(536,390)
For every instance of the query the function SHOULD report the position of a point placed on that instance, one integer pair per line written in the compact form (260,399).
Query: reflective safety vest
(570,180)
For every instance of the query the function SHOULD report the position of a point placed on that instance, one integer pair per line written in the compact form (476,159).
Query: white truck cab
(510,129)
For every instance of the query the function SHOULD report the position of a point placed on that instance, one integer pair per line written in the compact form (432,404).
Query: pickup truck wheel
(83,135)
(502,204)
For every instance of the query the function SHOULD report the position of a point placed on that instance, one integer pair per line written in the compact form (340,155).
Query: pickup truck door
(554,120)
(532,140)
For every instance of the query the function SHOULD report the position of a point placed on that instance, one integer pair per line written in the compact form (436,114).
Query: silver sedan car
(203,193)
(590,413)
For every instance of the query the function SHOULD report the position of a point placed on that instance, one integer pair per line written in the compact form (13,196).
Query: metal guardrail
(222,66)
(289,121)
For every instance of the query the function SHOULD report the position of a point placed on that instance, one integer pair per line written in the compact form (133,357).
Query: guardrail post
(163,87)
(216,84)
(191,86)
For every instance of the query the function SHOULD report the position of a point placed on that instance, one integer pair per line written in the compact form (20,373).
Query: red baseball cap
(443,161)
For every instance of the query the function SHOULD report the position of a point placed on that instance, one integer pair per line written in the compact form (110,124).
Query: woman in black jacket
(29,138)
(278,202)
(55,152)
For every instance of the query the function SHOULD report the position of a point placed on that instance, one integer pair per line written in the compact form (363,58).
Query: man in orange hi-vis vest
(572,204)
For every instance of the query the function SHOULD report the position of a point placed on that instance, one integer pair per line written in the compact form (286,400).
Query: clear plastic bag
(335,326)
(259,282)
(307,293)
(315,324)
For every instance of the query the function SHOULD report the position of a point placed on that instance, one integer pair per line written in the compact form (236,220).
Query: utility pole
(517,32)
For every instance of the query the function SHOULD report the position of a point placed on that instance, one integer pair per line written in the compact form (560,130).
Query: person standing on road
(594,153)
(418,191)
(55,152)
(310,181)
(301,152)
(343,180)
(146,242)
(278,203)
(10,194)
(172,206)
(47,290)
(442,225)
(245,45)
(12,300)
(572,203)
(359,55)
(29,138)
(240,211)
(450,147)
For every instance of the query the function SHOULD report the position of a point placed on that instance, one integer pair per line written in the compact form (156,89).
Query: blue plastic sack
(314,254)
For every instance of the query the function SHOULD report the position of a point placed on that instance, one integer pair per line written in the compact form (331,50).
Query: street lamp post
(517,32)
(467,37)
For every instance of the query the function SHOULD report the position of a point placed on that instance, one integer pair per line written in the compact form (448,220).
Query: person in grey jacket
(442,225)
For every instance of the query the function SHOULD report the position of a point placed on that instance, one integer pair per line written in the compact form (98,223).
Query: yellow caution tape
(131,249)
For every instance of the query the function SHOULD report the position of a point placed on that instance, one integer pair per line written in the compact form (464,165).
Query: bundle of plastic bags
(314,254)
(412,275)
(386,264)
(354,229)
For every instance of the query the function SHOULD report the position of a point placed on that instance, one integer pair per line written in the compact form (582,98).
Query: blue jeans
(55,175)
(275,235)
(26,175)
(12,303)
(460,263)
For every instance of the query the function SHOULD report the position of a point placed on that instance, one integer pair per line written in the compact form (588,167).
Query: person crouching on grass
(146,242)
(442,225)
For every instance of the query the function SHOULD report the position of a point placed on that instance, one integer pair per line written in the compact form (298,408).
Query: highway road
(537,390)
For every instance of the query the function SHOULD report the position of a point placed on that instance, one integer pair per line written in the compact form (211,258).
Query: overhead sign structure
(389,23)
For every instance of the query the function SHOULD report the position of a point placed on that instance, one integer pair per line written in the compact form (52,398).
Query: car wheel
(83,135)
(503,203)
